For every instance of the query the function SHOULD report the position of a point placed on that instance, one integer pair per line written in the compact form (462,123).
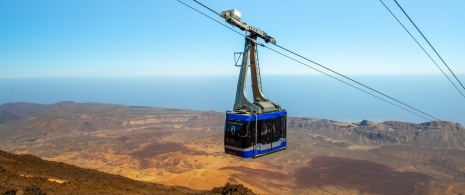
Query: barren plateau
(185,148)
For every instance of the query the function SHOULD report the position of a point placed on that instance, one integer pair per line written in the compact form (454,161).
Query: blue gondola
(255,128)
(243,139)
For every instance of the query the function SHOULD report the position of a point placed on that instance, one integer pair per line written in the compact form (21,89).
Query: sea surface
(312,96)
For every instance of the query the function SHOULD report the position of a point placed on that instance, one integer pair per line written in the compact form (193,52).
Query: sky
(164,38)
(62,38)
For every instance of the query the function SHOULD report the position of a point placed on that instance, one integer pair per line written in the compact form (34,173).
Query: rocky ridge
(434,134)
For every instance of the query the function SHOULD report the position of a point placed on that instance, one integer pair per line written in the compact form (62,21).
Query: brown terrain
(184,148)
(31,175)
(27,174)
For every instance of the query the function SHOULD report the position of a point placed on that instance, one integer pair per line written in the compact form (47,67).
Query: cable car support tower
(260,103)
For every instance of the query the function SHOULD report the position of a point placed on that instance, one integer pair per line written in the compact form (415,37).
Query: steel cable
(430,45)
(422,48)
(326,69)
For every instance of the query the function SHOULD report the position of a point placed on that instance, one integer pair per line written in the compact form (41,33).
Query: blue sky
(108,38)
(60,38)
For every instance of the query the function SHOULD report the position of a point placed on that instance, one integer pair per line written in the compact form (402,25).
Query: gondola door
(264,135)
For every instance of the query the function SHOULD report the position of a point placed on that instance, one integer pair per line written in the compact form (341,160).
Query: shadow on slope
(366,176)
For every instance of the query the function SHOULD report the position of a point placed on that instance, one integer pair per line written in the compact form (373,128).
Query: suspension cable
(356,82)
(348,83)
(422,48)
(429,44)
(208,8)
(211,17)
(326,69)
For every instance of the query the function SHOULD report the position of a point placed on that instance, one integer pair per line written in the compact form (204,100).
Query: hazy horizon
(460,76)
(302,95)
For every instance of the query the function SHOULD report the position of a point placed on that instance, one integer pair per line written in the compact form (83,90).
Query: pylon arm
(233,17)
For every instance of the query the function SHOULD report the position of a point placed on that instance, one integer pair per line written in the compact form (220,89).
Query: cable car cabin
(255,127)
(255,135)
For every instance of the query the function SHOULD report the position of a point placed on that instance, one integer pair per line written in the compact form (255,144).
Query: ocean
(312,96)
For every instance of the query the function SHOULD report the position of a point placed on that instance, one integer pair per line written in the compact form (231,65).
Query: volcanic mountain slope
(185,148)
(26,174)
